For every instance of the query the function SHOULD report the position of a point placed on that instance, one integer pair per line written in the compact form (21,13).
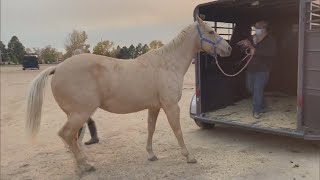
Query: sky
(38,23)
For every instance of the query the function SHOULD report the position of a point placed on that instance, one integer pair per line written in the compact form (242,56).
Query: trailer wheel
(204,125)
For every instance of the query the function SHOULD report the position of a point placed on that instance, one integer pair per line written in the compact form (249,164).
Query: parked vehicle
(30,62)
(293,92)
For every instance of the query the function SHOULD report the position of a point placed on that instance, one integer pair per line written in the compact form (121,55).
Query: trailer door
(309,67)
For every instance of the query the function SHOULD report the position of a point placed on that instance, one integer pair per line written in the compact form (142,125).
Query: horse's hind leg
(69,134)
(173,115)
(81,134)
(152,119)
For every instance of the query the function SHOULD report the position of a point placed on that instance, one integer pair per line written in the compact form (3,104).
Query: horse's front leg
(173,115)
(152,119)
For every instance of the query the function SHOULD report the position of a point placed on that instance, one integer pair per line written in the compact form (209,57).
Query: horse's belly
(127,105)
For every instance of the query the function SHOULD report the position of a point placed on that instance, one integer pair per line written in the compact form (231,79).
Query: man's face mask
(259,31)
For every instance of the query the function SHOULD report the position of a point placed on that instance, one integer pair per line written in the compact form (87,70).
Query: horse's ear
(199,19)
(202,16)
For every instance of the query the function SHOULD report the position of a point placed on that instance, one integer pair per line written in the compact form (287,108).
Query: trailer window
(223,29)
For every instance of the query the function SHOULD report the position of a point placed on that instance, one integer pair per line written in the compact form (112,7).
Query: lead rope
(233,75)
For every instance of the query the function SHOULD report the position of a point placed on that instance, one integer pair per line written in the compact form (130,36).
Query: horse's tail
(35,100)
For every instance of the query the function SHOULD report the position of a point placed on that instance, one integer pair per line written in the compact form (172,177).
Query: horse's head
(210,41)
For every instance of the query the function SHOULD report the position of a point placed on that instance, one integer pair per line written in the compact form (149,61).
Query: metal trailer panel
(311,72)
(302,17)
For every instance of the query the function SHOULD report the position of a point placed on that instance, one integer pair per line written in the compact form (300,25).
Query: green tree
(103,48)
(155,44)
(3,52)
(16,50)
(76,40)
(114,52)
(49,54)
(141,49)
(124,53)
(132,51)
(145,49)
(138,50)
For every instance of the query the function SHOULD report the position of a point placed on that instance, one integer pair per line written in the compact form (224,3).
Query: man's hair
(264,23)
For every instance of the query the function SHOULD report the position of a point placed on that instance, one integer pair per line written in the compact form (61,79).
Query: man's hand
(245,43)
(252,51)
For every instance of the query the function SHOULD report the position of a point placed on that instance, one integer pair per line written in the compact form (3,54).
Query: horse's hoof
(153,158)
(87,168)
(192,160)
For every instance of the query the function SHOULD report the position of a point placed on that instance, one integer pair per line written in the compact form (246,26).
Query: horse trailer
(293,90)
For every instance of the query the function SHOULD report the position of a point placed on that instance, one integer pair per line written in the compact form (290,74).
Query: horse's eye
(211,32)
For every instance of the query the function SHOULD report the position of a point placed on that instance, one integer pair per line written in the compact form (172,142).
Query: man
(93,132)
(263,47)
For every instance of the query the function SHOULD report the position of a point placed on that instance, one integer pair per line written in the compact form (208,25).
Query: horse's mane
(175,42)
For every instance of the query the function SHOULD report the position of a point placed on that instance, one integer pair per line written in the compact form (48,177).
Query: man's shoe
(92,141)
(93,132)
(257,115)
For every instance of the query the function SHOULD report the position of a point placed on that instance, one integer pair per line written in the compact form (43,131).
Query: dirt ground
(222,153)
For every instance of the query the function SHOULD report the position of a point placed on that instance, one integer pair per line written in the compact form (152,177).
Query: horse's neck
(180,51)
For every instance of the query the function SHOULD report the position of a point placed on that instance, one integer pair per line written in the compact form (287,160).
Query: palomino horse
(86,82)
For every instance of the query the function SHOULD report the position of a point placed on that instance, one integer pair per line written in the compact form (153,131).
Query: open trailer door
(309,69)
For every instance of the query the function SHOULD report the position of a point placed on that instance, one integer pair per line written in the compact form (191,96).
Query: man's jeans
(256,82)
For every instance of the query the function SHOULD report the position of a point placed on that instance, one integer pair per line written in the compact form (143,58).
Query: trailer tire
(204,125)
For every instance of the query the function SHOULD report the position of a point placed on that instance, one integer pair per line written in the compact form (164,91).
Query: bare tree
(76,40)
